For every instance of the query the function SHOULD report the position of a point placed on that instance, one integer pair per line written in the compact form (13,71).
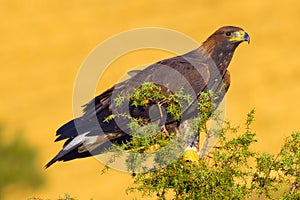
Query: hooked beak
(240,36)
(246,37)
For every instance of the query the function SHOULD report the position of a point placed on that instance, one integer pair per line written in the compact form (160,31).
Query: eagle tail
(70,147)
(53,160)
(64,155)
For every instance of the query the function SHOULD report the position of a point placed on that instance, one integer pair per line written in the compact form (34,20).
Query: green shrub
(230,170)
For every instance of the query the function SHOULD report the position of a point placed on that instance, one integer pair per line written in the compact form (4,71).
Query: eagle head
(227,38)
(221,44)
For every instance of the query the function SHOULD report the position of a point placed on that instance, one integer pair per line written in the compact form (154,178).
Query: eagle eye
(228,33)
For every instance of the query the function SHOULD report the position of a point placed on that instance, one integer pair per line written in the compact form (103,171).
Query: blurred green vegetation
(65,197)
(18,166)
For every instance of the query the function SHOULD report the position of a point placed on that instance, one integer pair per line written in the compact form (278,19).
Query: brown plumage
(202,69)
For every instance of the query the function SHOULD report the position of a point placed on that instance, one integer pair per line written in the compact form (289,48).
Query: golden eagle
(200,70)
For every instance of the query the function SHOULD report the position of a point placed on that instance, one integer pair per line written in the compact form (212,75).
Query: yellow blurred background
(43,44)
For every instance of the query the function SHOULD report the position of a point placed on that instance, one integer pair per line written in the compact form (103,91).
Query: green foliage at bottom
(231,170)
(66,197)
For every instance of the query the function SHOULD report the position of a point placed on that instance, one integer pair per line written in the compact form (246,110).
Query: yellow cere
(237,36)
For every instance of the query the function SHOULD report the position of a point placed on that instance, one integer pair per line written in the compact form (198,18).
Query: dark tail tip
(51,162)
